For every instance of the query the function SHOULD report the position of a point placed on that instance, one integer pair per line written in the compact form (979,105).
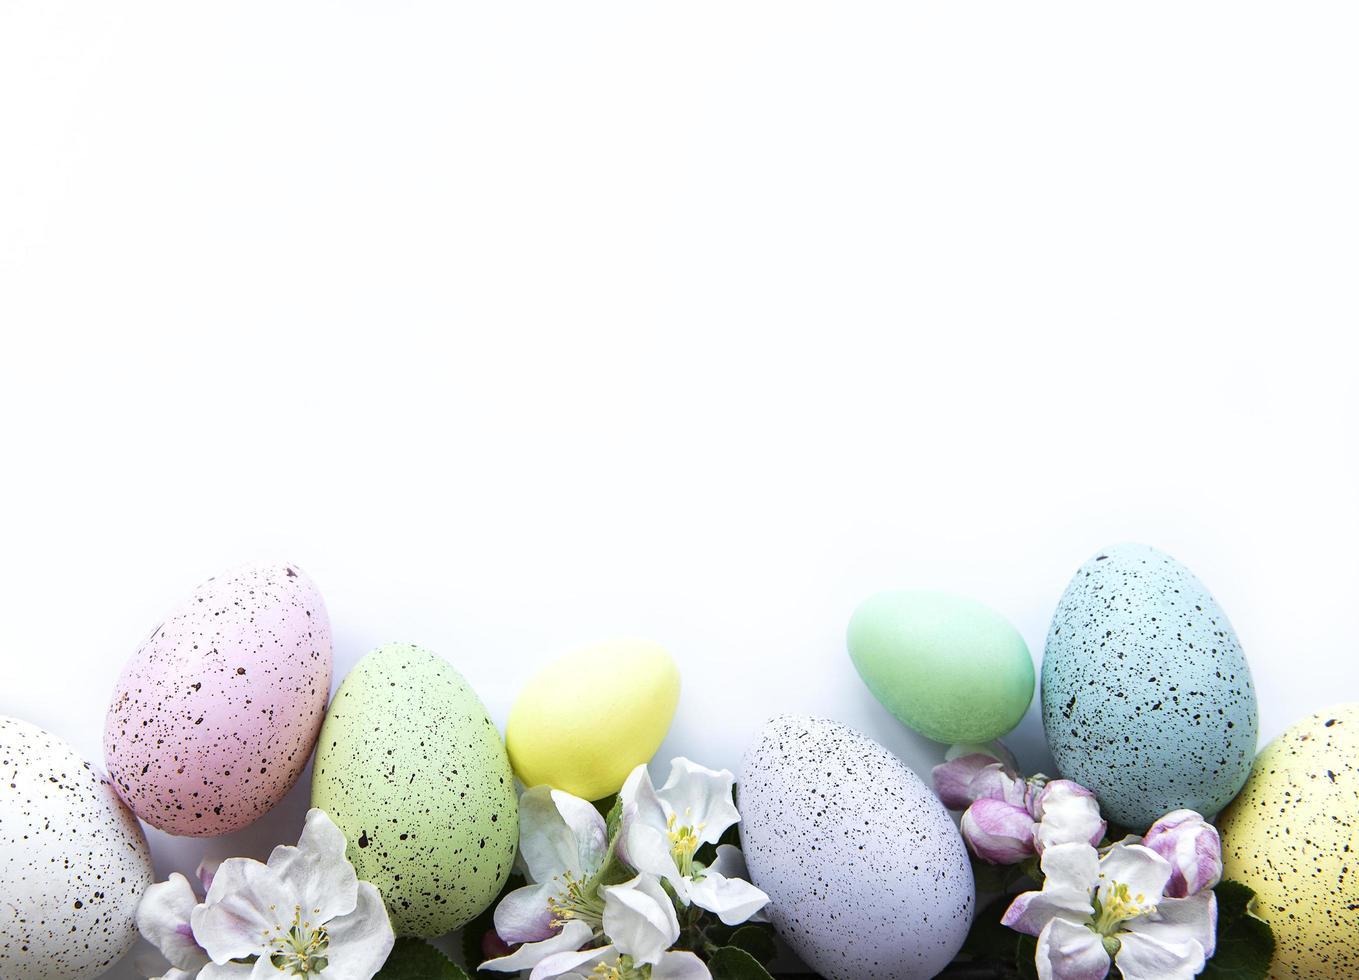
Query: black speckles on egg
(866,873)
(1293,836)
(410,767)
(73,862)
(1147,697)
(214,718)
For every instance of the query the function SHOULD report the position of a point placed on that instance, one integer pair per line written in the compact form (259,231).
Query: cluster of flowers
(1144,904)
(624,898)
(301,913)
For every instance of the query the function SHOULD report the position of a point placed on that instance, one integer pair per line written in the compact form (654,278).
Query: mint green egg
(415,773)
(949,667)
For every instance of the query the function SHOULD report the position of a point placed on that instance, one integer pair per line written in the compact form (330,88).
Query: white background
(529,326)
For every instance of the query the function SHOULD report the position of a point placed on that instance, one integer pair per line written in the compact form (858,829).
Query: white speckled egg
(214,718)
(415,773)
(73,861)
(866,873)
(1147,697)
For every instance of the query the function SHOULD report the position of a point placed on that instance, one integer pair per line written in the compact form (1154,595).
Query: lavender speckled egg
(73,861)
(866,873)
(415,773)
(1147,697)
(214,718)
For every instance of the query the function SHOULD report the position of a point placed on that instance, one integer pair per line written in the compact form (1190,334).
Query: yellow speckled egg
(585,721)
(1293,836)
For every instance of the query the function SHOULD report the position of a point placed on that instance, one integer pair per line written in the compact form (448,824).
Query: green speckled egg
(412,769)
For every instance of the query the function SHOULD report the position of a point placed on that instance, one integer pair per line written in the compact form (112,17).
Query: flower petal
(732,899)
(1193,848)
(1140,869)
(207,868)
(1069,951)
(318,869)
(246,899)
(573,936)
(546,844)
(1069,874)
(573,964)
(700,798)
(643,839)
(163,918)
(588,828)
(523,916)
(1177,919)
(731,863)
(1141,957)
(680,966)
(1067,813)
(998,832)
(640,919)
(962,781)
(225,971)
(361,941)
(1030,912)
(264,969)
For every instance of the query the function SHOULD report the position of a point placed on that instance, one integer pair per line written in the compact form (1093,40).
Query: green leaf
(989,941)
(1245,943)
(731,963)
(1025,952)
(612,809)
(758,941)
(415,959)
(995,879)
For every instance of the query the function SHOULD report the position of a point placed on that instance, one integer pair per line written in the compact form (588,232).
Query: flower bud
(975,772)
(1193,848)
(1067,813)
(998,832)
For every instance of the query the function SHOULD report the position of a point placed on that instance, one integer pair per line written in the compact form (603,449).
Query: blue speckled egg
(866,874)
(1147,697)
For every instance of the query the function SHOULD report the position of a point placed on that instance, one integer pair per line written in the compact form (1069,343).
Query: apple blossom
(1096,909)
(662,831)
(1193,848)
(303,914)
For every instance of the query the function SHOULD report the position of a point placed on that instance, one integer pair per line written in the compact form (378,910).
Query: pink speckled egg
(214,718)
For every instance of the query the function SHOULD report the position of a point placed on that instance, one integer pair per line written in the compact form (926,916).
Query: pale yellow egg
(1292,835)
(585,721)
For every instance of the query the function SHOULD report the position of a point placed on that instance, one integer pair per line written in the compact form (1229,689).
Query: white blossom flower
(1093,907)
(640,921)
(303,914)
(563,842)
(663,829)
(163,919)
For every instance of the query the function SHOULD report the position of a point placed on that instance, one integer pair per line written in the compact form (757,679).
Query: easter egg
(214,718)
(73,861)
(555,735)
(1147,697)
(414,772)
(866,874)
(948,667)
(1291,836)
